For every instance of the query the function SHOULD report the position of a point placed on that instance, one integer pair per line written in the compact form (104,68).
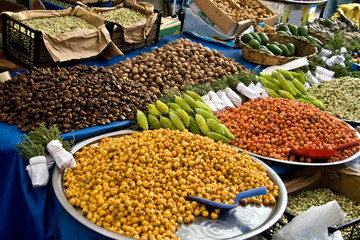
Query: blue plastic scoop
(242,195)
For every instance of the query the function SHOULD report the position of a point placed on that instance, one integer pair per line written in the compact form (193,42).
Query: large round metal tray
(354,156)
(352,122)
(241,222)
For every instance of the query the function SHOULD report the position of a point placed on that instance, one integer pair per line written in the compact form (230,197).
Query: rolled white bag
(63,158)
(38,171)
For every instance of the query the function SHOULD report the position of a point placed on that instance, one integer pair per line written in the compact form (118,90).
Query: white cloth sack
(312,224)
(63,158)
(232,95)
(215,99)
(227,102)
(38,171)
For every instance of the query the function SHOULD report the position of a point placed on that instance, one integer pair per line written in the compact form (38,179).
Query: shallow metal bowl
(314,164)
(241,222)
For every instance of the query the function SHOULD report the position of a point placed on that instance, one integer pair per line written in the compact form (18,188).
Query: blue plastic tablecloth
(35,213)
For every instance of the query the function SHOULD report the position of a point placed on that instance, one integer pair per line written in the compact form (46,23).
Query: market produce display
(73,98)
(123,16)
(81,97)
(176,64)
(243,10)
(58,25)
(123,186)
(273,127)
(341,97)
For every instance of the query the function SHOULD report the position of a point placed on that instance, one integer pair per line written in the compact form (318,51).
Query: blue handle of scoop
(242,195)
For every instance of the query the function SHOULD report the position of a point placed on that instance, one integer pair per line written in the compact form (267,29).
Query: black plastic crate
(349,230)
(26,45)
(117,35)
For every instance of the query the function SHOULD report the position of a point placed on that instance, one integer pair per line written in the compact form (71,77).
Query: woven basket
(302,49)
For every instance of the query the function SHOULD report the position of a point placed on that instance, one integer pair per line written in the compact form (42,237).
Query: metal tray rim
(277,211)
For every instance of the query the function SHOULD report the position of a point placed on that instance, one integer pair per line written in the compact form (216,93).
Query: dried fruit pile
(273,127)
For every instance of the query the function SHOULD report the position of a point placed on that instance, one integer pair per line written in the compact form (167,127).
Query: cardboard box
(226,23)
(169,26)
(293,13)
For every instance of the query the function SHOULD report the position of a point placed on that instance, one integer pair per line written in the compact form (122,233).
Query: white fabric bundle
(211,105)
(261,90)
(38,171)
(63,158)
(216,101)
(325,52)
(205,97)
(324,71)
(311,79)
(307,85)
(322,77)
(246,91)
(227,102)
(235,99)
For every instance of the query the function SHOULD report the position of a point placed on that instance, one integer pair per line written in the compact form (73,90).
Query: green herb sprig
(42,135)
(28,148)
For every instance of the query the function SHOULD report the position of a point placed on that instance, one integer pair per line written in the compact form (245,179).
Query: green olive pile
(138,185)
(260,41)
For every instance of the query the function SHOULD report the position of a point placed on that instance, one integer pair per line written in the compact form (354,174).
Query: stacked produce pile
(244,10)
(184,111)
(137,185)
(289,85)
(59,25)
(261,42)
(273,127)
(123,16)
(301,32)
(341,97)
(176,64)
(81,97)
(73,98)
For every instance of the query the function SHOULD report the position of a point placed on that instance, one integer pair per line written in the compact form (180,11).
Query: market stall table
(29,213)
(35,213)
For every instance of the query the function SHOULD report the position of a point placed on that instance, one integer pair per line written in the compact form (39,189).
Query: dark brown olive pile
(73,98)
(175,64)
